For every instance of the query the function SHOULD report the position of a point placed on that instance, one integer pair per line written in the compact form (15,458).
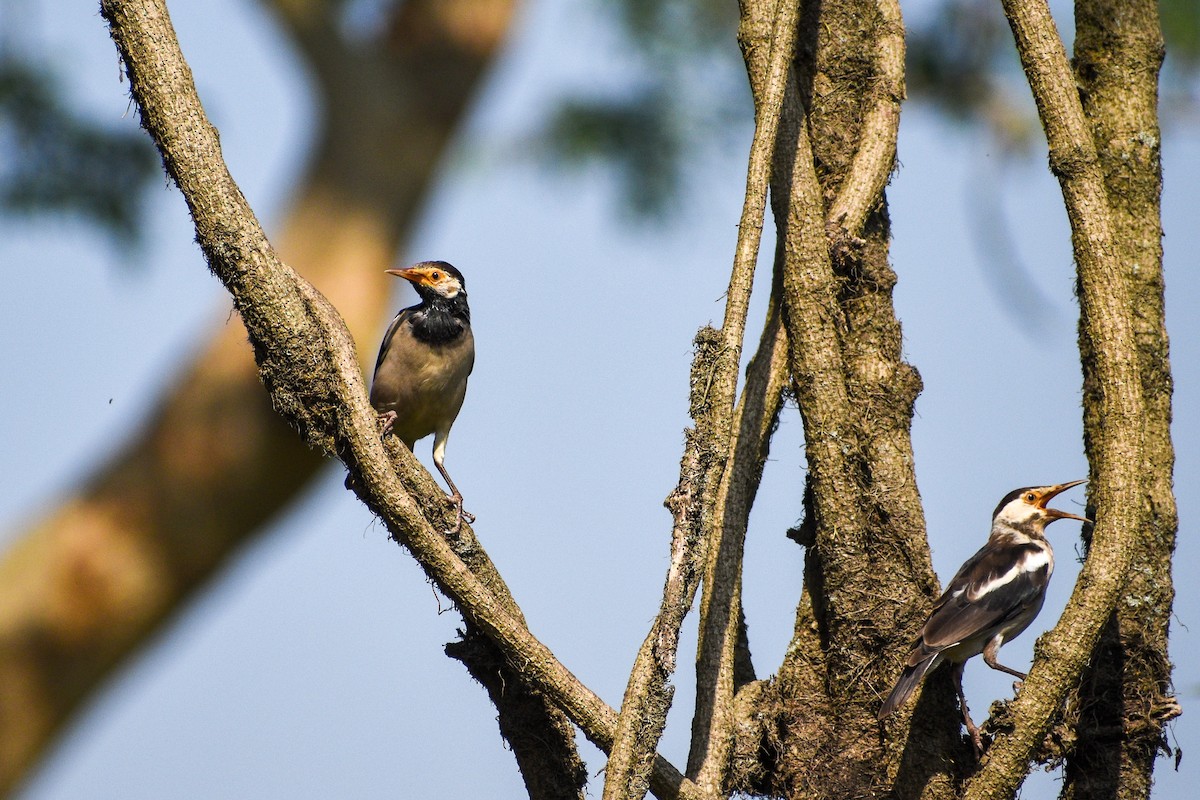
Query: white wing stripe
(1030,562)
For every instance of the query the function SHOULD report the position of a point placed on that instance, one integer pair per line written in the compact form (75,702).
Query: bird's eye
(1030,497)
(437,276)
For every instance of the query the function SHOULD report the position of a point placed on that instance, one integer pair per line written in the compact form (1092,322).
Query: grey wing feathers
(397,321)
(967,609)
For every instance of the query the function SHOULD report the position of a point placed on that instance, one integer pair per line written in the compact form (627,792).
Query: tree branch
(1106,321)
(648,692)
(875,156)
(1118,53)
(706,454)
(307,361)
(720,606)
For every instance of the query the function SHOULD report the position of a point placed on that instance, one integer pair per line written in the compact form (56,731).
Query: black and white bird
(424,362)
(993,597)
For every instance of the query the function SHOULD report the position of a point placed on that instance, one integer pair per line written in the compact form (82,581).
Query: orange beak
(412,275)
(1054,513)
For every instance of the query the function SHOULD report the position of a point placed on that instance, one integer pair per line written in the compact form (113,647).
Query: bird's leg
(972,728)
(989,657)
(386,420)
(439,452)
(456,497)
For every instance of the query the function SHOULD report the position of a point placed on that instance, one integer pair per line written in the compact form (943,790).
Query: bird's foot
(977,742)
(386,420)
(460,515)
(976,738)
(969,724)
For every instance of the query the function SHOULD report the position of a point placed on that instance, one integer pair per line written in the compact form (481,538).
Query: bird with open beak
(424,361)
(992,598)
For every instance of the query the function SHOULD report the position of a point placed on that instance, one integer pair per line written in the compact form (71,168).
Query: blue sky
(314,666)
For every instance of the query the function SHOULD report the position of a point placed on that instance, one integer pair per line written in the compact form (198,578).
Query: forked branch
(696,502)
(876,152)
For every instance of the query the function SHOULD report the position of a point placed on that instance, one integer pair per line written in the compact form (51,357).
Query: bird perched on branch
(424,361)
(992,598)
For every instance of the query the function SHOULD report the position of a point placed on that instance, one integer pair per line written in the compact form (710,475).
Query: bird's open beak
(411,274)
(1052,491)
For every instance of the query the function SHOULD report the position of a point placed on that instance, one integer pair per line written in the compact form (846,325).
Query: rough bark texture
(1114,377)
(827,111)
(525,717)
(855,393)
(86,585)
(1125,697)
(723,662)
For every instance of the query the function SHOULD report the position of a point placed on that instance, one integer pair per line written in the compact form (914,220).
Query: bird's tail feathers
(909,680)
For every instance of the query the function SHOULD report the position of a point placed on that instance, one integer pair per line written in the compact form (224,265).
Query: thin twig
(648,693)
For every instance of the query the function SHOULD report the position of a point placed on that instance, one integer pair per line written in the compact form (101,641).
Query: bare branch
(307,361)
(694,502)
(720,606)
(1106,321)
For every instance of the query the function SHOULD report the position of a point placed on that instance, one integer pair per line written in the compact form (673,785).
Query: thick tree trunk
(864,527)
(1125,697)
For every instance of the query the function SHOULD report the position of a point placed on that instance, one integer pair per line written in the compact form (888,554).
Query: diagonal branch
(306,359)
(694,502)
(211,463)
(1105,321)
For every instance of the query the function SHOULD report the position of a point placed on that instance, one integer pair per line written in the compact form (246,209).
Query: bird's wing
(995,584)
(399,320)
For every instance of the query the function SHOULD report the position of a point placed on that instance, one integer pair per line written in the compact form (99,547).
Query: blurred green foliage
(960,61)
(1181,29)
(54,160)
(955,56)
(684,89)
(680,86)
(638,136)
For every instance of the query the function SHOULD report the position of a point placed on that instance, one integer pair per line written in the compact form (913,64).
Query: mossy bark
(1125,696)
(306,360)
(868,577)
